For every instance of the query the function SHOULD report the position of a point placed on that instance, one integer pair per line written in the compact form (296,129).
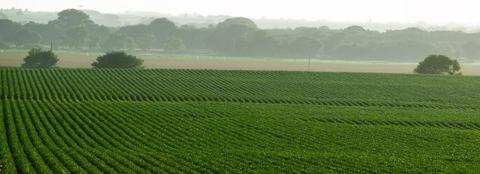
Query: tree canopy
(38,58)
(117,59)
(74,29)
(3,16)
(72,18)
(173,45)
(233,35)
(238,36)
(438,64)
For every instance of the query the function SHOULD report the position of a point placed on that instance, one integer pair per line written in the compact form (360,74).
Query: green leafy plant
(438,64)
(117,59)
(38,58)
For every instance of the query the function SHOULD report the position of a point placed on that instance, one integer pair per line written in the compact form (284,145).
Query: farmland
(77,59)
(213,121)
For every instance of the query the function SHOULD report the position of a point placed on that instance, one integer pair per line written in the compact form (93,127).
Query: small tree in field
(117,59)
(37,58)
(438,64)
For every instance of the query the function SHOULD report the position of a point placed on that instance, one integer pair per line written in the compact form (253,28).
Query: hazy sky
(431,11)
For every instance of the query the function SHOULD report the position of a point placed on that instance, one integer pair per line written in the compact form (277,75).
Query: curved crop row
(236,86)
(433,124)
(150,137)
(192,121)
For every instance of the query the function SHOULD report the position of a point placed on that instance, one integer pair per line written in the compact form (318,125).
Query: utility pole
(51,45)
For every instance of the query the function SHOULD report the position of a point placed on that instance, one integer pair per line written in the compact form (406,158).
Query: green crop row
(332,89)
(150,137)
(205,121)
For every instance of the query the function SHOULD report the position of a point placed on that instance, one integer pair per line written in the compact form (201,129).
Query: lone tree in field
(37,58)
(438,64)
(118,59)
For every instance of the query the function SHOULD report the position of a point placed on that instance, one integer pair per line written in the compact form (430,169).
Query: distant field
(83,60)
(207,121)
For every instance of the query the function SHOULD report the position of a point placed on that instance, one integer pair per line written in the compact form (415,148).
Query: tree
(173,45)
(46,34)
(74,28)
(438,64)
(117,41)
(237,21)
(231,35)
(305,47)
(258,43)
(162,29)
(117,59)
(26,38)
(3,16)
(9,30)
(72,18)
(75,37)
(37,58)
(354,29)
(140,34)
(196,39)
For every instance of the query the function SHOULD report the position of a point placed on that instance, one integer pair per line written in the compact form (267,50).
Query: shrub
(117,59)
(37,58)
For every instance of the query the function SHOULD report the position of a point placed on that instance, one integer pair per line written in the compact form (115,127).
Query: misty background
(371,30)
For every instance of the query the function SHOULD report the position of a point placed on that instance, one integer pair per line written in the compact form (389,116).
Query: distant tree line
(73,29)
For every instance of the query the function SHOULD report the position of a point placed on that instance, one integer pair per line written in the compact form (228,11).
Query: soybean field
(218,121)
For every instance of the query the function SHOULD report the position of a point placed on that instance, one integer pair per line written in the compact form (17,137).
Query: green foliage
(140,34)
(304,47)
(74,24)
(174,45)
(9,31)
(117,41)
(37,58)
(26,38)
(237,22)
(205,121)
(72,18)
(162,29)
(3,16)
(354,29)
(117,59)
(269,87)
(233,35)
(75,37)
(438,64)
(73,29)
